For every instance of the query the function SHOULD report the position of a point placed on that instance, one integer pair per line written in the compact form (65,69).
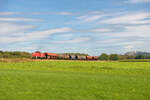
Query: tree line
(106,57)
(14,54)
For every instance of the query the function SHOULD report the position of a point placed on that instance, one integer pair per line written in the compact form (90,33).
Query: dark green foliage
(143,54)
(139,57)
(148,57)
(1,51)
(103,56)
(114,57)
(14,54)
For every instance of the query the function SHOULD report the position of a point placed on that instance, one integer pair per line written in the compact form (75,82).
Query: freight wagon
(51,56)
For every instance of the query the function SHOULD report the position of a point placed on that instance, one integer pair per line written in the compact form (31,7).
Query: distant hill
(134,53)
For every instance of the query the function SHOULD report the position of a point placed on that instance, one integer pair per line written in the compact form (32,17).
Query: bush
(139,57)
(103,57)
(114,57)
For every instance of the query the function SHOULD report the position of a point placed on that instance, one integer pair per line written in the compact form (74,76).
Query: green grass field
(74,80)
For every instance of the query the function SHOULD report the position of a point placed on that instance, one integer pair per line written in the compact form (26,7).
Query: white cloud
(76,40)
(97,16)
(110,41)
(46,33)
(141,28)
(129,47)
(134,31)
(7,13)
(133,37)
(130,18)
(138,1)
(9,39)
(89,18)
(101,30)
(17,33)
(35,13)
(13,29)
(64,13)
(95,12)
(51,13)
(18,19)
(66,35)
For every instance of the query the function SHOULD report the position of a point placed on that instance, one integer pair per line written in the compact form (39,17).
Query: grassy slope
(67,80)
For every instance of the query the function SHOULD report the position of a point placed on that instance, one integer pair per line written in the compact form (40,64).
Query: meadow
(74,80)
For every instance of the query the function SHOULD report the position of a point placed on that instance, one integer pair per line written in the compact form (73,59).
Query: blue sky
(85,26)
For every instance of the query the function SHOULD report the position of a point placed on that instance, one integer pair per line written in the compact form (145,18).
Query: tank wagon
(39,55)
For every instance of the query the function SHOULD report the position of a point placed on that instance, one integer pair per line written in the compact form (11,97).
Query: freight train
(39,55)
